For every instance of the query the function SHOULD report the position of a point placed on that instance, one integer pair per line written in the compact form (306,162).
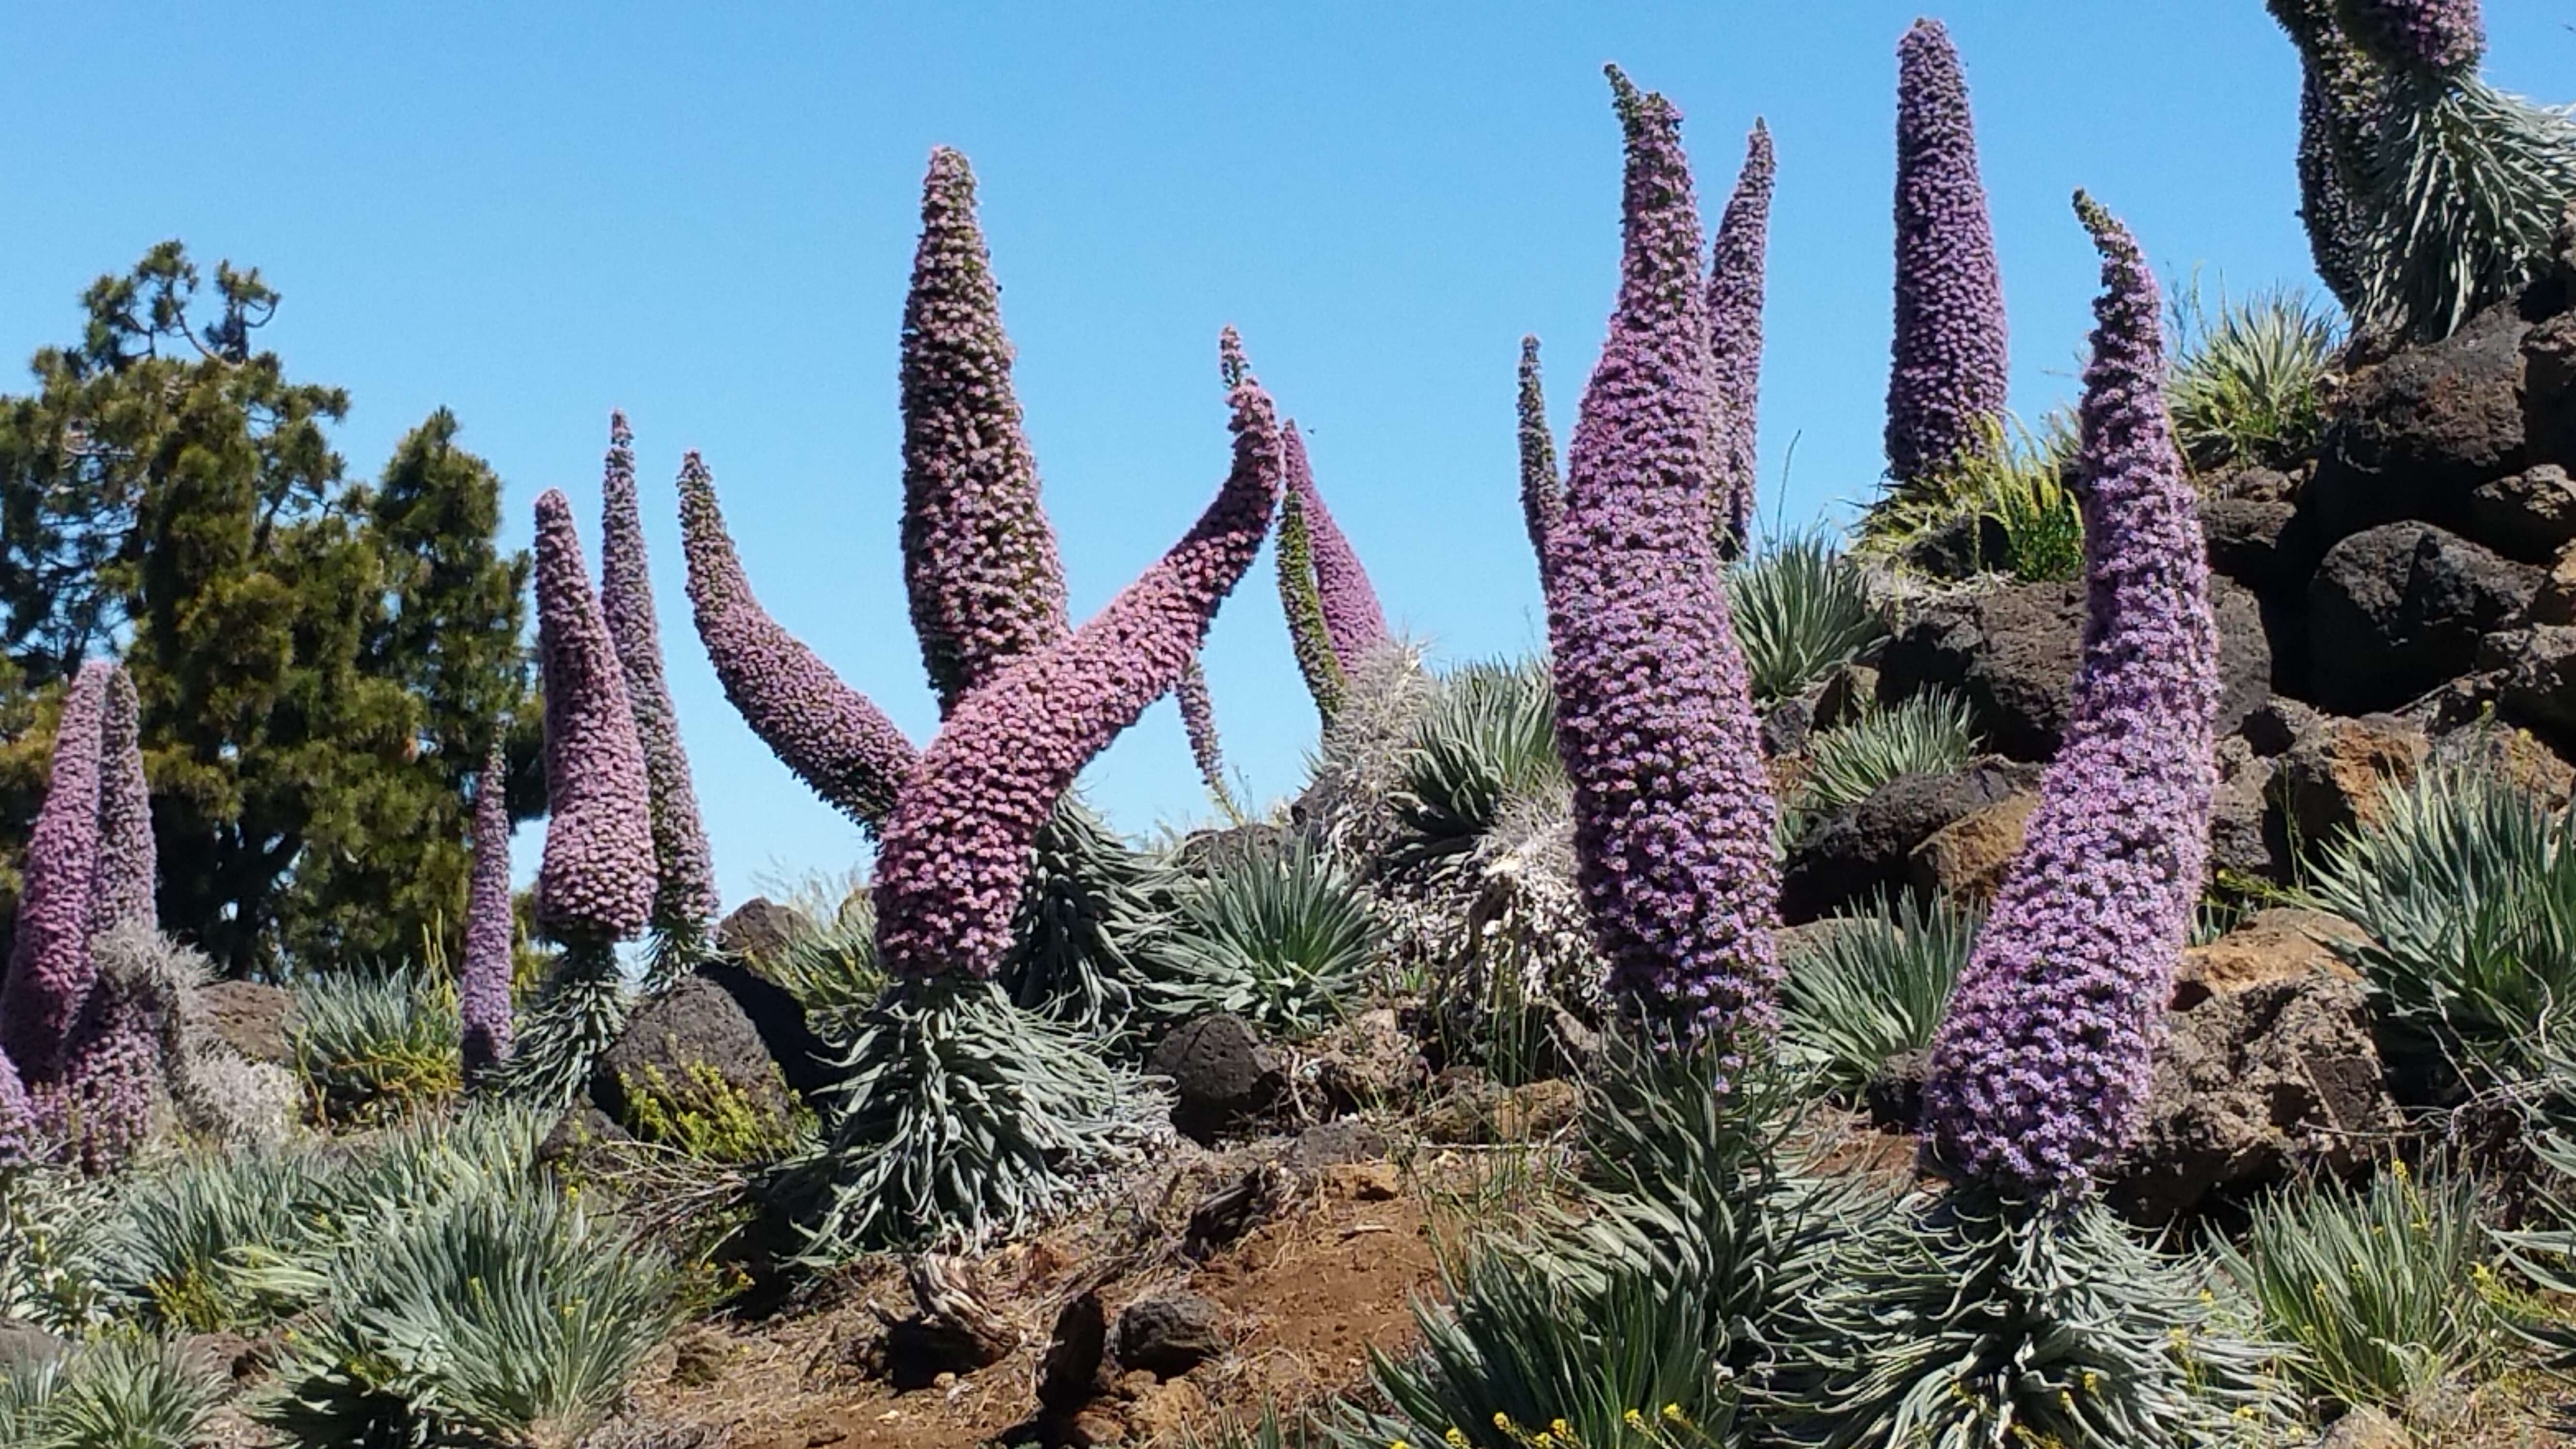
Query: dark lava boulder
(689,1070)
(1169,1334)
(1223,1076)
(2011,652)
(2398,609)
(1866,848)
(760,928)
(2528,516)
(2412,436)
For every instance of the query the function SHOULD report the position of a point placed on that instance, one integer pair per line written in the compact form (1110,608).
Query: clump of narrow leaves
(119,1393)
(1488,740)
(1800,607)
(1871,985)
(1927,734)
(376,1045)
(2248,384)
(1283,937)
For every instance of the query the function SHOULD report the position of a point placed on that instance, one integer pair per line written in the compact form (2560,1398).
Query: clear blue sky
(705,215)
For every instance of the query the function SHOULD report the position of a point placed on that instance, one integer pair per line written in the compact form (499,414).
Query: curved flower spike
(2041,1068)
(955,856)
(1542,491)
(483,981)
(595,881)
(1735,278)
(1352,619)
(835,740)
(1672,814)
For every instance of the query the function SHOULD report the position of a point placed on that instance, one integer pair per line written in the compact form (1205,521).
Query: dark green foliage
(500,1318)
(2384,1289)
(1488,739)
(960,1118)
(376,1045)
(1282,937)
(2467,893)
(1963,1323)
(122,1393)
(320,663)
(2248,378)
(1800,608)
(1872,985)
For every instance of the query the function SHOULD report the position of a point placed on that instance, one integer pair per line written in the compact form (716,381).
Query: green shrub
(2385,1289)
(1928,734)
(1873,985)
(2248,384)
(2467,895)
(1800,607)
(120,1393)
(1284,939)
(376,1045)
(707,1117)
(503,1317)
(1488,739)
(47,1219)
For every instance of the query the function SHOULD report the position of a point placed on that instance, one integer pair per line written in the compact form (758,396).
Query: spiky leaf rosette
(1198,719)
(1673,816)
(1950,352)
(595,882)
(831,736)
(961,1118)
(1303,605)
(1542,492)
(1352,619)
(2431,37)
(955,854)
(1735,337)
(483,979)
(577,1016)
(2462,187)
(128,864)
(1091,899)
(685,903)
(2040,1071)
(979,556)
(49,962)
(1968,1323)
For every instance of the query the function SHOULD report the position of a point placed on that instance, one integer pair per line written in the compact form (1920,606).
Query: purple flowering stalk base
(1947,379)
(2041,1068)
(1353,622)
(685,903)
(128,862)
(955,855)
(831,736)
(2423,37)
(1673,816)
(1542,491)
(979,557)
(483,981)
(112,1088)
(1735,278)
(50,970)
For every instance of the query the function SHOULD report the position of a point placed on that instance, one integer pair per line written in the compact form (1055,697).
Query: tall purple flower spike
(2436,37)
(483,985)
(1672,814)
(835,740)
(685,874)
(1735,336)
(102,1108)
(979,556)
(1950,357)
(595,881)
(1542,492)
(50,970)
(1352,619)
(2040,1071)
(128,864)
(955,856)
